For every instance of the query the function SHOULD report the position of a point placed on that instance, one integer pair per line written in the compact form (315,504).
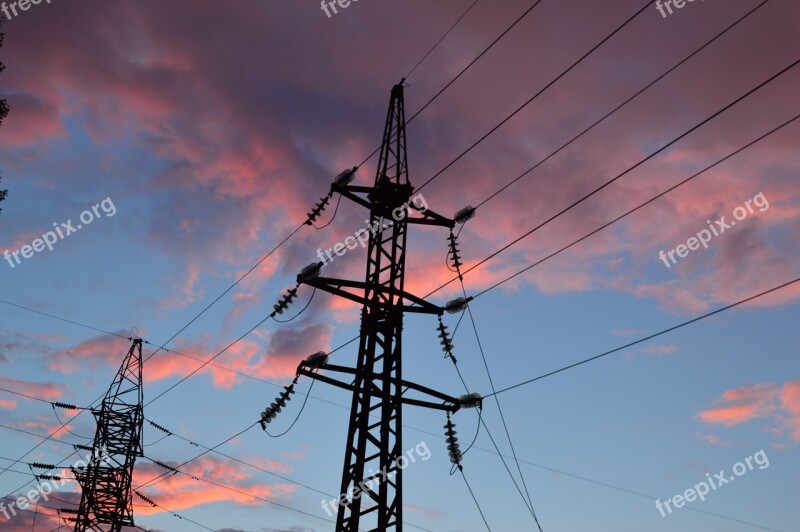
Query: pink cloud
(228,482)
(660,350)
(99,351)
(48,391)
(8,404)
(711,439)
(778,405)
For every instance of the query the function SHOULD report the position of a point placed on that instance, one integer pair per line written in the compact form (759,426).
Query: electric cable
(532,98)
(618,176)
(453,249)
(23,307)
(156,505)
(477,504)
(235,490)
(272,315)
(500,410)
(654,335)
(623,104)
(475,60)
(452,26)
(453,80)
(641,205)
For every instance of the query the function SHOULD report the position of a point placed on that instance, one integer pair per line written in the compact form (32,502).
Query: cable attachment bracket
(274,409)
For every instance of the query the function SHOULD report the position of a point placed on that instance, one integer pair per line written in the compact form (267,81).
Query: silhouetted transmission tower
(372,474)
(106,479)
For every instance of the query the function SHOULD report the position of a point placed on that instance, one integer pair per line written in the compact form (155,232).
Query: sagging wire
(477,429)
(343,179)
(338,201)
(317,210)
(452,239)
(308,394)
(154,505)
(158,427)
(314,362)
(65,427)
(461,304)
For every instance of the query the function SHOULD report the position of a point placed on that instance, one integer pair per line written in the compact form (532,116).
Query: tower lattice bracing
(372,478)
(106,478)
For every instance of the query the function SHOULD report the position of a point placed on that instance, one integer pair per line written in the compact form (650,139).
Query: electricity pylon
(106,479)
(372,473)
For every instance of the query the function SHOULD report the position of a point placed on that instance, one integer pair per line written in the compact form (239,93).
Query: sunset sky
(203,132)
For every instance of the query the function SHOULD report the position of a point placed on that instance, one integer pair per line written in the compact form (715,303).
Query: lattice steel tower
(371,466)
(106,479)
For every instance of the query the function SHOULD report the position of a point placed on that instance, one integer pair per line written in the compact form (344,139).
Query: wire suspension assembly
(447,342)
(453,254)
(453,447)
(274,409)
(285,301)
(317,210)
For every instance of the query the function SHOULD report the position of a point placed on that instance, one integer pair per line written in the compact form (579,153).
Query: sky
(173,144)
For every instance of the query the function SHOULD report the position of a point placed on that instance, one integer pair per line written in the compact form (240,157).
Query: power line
(475,499)
(625,172)
(653,199)
(447,343)
(162,346)
(156,505)
(192,442)
(214,449)
(654,335)
(641,205)
(23,307)
(496,451)
(176,470)
(196,444)
(623,104)
(231,287)
(253,466)
(424,57)
(500,410)
(453,252)
(159,478)
(527,102)
(469,65)
(191,357)
(463,70)
(207,362)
